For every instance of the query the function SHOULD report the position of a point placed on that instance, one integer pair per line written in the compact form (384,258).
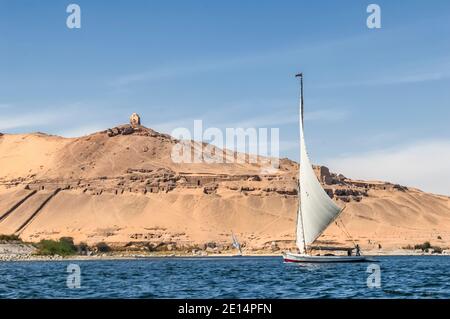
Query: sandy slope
(126,188)
(396,219)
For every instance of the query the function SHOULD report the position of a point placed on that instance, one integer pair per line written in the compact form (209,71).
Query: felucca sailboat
(316,209)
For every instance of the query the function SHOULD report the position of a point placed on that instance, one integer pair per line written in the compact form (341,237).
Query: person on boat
(358,253)
(349,252)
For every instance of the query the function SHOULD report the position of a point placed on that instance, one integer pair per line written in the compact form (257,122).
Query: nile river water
(226,277)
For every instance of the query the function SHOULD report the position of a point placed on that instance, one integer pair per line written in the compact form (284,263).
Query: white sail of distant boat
(236,243)
(316,209)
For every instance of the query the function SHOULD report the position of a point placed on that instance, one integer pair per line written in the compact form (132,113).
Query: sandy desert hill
(120,186)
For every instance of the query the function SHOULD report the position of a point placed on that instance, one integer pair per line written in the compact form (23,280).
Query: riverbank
(27,252)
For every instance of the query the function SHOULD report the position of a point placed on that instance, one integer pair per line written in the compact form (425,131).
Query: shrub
(82,248)
(103,247)
(439,237)
(425,246)
(68,240)
(63,247)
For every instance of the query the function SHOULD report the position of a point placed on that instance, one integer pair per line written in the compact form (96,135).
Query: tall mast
(300,75)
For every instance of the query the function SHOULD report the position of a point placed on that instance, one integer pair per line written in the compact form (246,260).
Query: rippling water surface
(242,277)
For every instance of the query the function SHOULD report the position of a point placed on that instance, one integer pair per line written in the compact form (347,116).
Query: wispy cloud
(276,119)
(439,71)
(169,126)
(289,145)
(208,64)
(423,164)
(400,74)
(28,120)
(416,78)
(266,120)
(160,73)
(187,68)
(66,116)
(396,79)
(82,130)
(328,115)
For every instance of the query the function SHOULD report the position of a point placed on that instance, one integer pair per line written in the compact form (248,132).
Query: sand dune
(125,189)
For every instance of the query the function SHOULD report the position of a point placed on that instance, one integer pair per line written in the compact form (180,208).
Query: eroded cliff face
(122,187)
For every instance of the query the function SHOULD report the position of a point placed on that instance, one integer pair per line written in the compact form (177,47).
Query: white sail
(236,243)
(316,209)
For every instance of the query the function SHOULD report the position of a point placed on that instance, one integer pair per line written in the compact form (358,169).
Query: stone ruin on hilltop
(134,126)
(135,120)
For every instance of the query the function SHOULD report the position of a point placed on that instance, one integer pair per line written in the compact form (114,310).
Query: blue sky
(377,100)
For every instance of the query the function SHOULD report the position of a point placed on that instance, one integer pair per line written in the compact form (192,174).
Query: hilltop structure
(135,120)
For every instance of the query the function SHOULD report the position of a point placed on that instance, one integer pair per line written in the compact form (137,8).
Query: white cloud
(424,164)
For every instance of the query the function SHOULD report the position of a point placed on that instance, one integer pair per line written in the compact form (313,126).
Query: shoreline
(19,251)
(114,257)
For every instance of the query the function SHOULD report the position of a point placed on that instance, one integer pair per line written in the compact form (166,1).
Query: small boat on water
(316,211)
(236,245)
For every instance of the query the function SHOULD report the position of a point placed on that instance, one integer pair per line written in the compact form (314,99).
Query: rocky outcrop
(10,251)
(121,130)
(138,130)
(210,188)
(159,179)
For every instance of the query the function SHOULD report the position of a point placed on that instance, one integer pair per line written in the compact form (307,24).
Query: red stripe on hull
(292,261)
